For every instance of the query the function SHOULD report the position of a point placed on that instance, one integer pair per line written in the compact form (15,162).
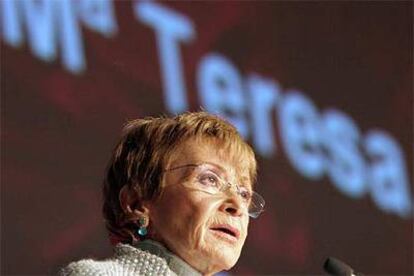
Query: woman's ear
(132,205)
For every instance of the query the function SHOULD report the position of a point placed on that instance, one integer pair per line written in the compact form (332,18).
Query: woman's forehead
(196,151)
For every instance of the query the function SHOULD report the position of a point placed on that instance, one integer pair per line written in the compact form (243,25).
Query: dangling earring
(142,230)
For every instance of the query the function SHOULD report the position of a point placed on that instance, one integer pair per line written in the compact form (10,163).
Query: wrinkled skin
(182,218)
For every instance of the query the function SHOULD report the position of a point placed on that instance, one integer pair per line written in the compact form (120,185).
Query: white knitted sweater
(150,258)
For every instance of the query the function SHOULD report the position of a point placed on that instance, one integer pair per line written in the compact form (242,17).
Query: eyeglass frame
(227,185)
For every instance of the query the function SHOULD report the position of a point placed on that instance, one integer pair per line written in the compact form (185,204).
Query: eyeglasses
(208,180)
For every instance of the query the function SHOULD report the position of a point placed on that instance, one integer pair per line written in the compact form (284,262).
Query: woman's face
(206,230)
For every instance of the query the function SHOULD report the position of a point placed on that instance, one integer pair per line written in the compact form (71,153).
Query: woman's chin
(227,247)
(216,265)
(222,255)
(228,260)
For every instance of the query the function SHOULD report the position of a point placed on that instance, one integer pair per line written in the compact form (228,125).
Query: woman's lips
(226,231)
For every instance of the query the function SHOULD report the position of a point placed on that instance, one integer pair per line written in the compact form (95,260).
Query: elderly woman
(178,195)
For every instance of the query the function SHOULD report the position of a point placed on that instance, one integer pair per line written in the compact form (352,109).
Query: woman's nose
(233,205)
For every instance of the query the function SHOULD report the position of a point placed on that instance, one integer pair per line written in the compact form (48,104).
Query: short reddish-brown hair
(142,153)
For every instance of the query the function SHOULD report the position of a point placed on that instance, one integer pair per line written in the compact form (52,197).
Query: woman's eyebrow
(244,180)
(216,166)
(217,169)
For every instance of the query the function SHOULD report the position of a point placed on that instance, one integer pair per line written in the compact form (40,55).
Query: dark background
(58,128)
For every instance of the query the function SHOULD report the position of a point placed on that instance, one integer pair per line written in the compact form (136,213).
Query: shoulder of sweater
(91,267)
(95,267)
(127,260)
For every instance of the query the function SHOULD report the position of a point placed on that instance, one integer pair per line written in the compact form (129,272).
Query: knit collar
(175,263)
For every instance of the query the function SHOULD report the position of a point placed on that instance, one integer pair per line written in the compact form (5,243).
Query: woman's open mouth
(225,231)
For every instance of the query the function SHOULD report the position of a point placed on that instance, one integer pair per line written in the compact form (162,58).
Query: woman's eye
(245,194)
(209,179)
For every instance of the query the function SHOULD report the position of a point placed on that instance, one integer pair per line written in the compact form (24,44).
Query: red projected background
(321,90)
